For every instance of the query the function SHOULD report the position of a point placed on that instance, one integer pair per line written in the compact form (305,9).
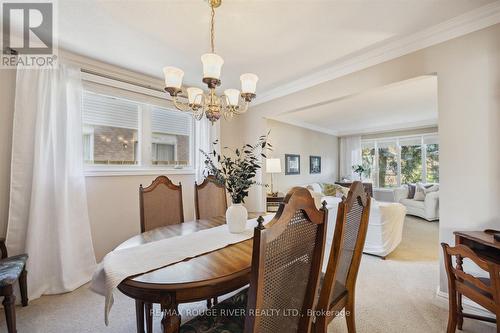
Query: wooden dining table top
(225,264)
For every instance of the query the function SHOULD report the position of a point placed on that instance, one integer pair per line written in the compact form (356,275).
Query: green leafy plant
(359,169)
(235,169)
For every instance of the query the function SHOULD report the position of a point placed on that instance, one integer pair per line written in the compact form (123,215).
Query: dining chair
(12,269)
(160,204)
(210,198)
(339,282)
(284,279)
(485,291)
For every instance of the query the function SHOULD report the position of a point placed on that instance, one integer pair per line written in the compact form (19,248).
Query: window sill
(384,189)
(135,171)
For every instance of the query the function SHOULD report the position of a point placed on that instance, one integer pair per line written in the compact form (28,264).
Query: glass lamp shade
(249,83)
(173,77)
(273,165)
(233,96)
(212,65)
(195,95)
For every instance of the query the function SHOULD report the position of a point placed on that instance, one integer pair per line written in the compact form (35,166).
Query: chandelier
(210,104)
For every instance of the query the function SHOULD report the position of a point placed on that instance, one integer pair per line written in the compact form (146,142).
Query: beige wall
(289,139)
(114,207)
(468,70)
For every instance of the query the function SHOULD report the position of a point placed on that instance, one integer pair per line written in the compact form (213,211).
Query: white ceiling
(404,105)
(278,40)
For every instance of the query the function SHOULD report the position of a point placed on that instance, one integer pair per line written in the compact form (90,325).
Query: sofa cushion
(412,203)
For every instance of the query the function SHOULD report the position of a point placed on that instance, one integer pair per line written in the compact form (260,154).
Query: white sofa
(427,209)
(385,227)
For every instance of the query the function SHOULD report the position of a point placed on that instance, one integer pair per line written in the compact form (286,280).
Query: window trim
(397,140)
(144,164)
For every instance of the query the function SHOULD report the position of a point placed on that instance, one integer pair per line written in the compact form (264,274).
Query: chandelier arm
(181,106)
(241,109)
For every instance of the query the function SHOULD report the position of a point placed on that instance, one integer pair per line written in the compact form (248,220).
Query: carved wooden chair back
(210,199)
(338,288)
(160,204)
(286,265)
(485,291)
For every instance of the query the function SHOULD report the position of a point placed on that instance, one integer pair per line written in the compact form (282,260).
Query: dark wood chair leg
(23,286)
(452,315)
(460,317)
(215,301)
(9,306)
(139,315)
(149,317)
(350,318)
(209,303)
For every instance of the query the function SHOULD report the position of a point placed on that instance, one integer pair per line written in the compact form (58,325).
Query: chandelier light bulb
(173,77)
(212,65)
(233,96)
(249,83)
(195,95)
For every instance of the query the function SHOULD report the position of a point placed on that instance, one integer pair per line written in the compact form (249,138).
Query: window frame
(398,139)
(149,99)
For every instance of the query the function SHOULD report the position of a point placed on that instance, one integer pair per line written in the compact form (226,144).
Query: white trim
(134,171)
(468,305)
(474,20)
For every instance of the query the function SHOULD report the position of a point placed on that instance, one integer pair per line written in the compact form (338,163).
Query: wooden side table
(273,203)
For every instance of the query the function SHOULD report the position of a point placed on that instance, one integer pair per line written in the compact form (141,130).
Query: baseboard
(468,305)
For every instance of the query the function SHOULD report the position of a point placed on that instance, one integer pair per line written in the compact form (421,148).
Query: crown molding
(464,24)
(407,126)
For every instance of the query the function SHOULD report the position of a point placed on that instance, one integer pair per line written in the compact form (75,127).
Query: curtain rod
(115,78)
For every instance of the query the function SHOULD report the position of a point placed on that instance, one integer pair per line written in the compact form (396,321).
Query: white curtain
(205,135)
(350,154)
(48,217)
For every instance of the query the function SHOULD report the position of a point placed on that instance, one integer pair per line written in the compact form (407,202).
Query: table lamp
(273,165)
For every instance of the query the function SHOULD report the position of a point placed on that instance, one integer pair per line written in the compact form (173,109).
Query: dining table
(203,277)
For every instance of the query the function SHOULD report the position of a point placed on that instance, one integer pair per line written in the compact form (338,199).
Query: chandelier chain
(212,29)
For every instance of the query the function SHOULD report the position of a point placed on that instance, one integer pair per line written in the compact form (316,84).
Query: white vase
(236,218)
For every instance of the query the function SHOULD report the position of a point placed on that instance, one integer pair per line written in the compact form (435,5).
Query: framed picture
(314,164)
(292,164)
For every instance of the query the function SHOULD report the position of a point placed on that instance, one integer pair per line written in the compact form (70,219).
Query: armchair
(427,209)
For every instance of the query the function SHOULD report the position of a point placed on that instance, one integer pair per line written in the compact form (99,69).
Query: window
(431,159)
(110,130)
(411,160)
(170,137)
(126,133)
(402,160)
(387,164)
(368,161)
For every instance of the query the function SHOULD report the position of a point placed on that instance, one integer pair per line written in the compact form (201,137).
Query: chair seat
(227,316)
(11,268)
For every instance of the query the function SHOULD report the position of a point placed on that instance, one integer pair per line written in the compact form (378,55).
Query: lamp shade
(194,95)
(212,65)
(233,96)
(273,165)
(173,77)
(249,83)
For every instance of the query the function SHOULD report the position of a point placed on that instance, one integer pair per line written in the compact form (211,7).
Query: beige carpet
(393,295)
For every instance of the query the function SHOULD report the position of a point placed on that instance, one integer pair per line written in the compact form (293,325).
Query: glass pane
(432,163)
(368,161)
(110,132)
(171,137)
(388,164)
(411,163)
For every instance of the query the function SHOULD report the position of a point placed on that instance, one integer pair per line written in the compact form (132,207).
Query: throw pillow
(419,192)
(334,190)
(411,191)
